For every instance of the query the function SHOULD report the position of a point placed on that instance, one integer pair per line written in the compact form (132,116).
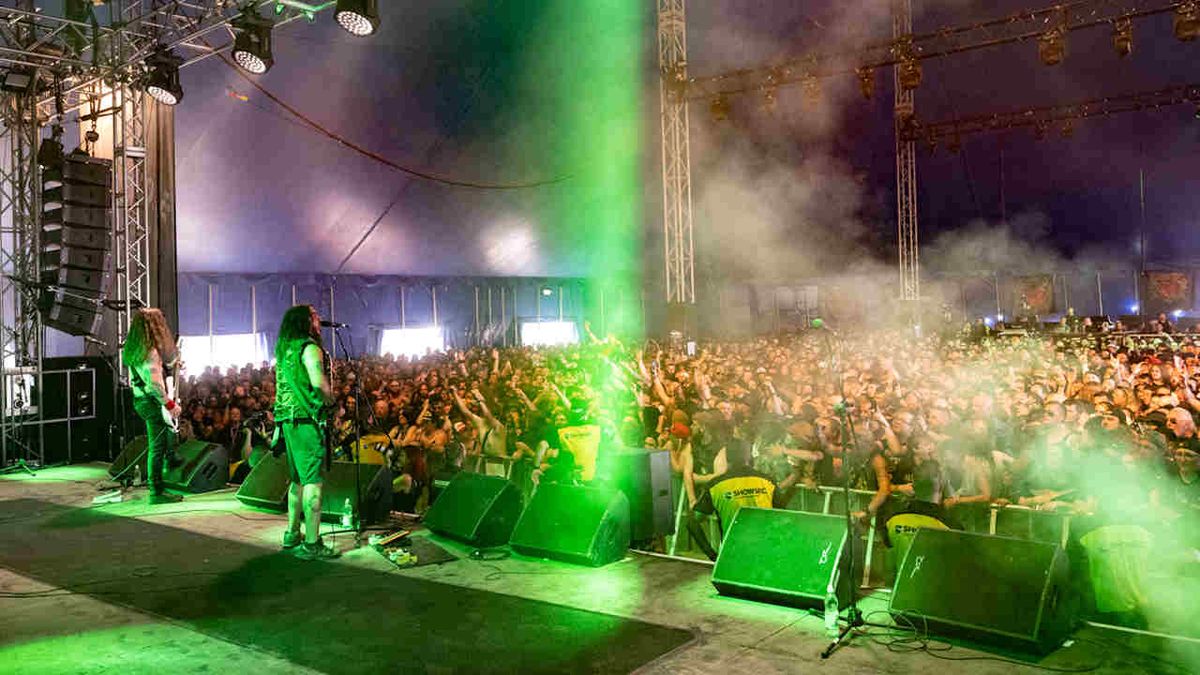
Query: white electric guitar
(169,382)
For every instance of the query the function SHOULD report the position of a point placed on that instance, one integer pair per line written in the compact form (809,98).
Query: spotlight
(719,108)
(1187,20)
(358,17)
(1177,313)
(811,87)
(547,291)
(1123,36)
(1052,47)
(252,46)
(162,82)
(18,80)
(769,98)
(910,74)
(866,82)
(1133,308)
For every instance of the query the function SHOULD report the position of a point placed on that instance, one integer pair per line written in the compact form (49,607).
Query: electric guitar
(169,382)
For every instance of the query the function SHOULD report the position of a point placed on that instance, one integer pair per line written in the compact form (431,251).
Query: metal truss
(678,250)
(131,234)
(1026,26)
(108,43)
(905,50)
(20,324)
(906,167)
(1047,118)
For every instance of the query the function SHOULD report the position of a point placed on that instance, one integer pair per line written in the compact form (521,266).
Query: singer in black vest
(302,394)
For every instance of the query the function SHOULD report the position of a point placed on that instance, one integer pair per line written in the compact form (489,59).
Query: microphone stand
(358,521)
(854,617)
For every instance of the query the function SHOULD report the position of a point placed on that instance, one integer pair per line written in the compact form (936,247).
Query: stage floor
(201,586)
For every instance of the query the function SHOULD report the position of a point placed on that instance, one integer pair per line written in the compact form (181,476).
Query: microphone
(333,324)
(93,341)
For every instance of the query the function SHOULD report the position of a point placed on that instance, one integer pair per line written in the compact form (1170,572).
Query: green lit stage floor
(201,587)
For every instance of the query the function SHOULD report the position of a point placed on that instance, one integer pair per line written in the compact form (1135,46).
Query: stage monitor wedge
(785,558)
(1011,592)
(582,525)
(476,509)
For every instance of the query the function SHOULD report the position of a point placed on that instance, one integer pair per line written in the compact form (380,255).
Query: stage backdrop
(471,310)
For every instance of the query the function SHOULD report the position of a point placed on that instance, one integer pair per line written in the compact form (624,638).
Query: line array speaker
(76,232)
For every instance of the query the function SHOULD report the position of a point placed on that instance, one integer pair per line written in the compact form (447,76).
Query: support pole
(906,171)
(676,153)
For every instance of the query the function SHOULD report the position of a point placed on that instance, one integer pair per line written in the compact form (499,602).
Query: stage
(202,586)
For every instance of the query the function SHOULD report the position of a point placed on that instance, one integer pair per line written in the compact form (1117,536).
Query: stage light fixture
(769,99)
(719,108)
(910,74)
(1052,47)
(18,80)
(252,46)
(1068,129)
(1123,36)
(1187,21)
(162,82)
(547,291)
(358,17)
(866,82)
(811,87)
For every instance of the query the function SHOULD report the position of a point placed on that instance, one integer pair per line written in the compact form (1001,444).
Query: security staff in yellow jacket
(740,485)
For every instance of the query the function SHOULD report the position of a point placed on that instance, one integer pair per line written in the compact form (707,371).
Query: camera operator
(250,439)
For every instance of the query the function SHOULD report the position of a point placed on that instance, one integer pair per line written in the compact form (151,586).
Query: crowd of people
(1099,425)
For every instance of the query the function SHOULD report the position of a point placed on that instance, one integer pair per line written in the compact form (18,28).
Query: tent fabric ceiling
(452,88)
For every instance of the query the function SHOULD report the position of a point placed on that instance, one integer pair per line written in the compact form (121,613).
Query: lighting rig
(1047,28)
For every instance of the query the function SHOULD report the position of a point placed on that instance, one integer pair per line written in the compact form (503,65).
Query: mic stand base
(16,466)
(854,620)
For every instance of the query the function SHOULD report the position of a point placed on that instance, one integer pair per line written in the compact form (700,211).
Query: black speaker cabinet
(375,481)
(134,451)
(1013,592)
(205,468)
(644,475)
(785,558)
(476,509)
(266,486)
(582,525)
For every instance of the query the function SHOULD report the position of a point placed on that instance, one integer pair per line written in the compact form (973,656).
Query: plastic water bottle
(347,515)
(831,612)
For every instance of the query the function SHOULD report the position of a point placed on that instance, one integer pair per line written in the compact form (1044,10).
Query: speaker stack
(76,235)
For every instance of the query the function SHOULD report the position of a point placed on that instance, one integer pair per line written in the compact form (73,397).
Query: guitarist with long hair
(151,356)
(302,394)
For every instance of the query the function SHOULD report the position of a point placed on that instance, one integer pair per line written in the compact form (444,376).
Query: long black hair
(295,326)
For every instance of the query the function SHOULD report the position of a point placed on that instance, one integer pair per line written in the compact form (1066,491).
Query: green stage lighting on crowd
(162,82)
(358,17)
(252,46)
